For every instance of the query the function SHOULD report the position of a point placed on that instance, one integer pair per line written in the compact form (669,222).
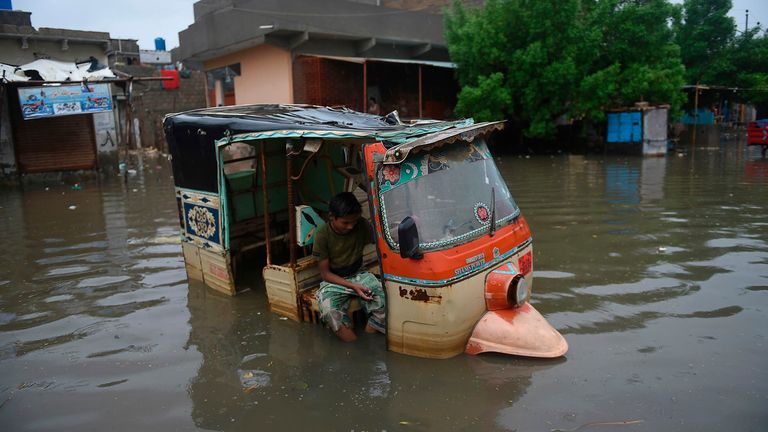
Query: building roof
(315,27)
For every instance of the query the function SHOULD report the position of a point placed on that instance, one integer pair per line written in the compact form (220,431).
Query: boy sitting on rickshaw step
(338,247)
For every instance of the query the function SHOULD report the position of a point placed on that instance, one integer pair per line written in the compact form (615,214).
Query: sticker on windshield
(482,214)
(420,165)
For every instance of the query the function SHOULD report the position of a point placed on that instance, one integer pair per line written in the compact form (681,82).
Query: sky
(125,19)
(147,19)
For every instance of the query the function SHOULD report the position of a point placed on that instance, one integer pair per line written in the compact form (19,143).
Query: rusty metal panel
(56,144)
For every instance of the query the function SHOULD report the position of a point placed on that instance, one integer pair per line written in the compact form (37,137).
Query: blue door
(625,127)
(630,130)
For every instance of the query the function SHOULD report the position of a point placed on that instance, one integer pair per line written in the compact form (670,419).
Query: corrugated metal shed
(640,124)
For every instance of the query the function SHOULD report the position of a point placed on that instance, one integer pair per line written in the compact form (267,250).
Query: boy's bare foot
(346,334)
(369,329)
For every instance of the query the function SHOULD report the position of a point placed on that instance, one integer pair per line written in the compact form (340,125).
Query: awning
(361,60)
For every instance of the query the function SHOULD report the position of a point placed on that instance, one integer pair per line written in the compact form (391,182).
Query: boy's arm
(327,275)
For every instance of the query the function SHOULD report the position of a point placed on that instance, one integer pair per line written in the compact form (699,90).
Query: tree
(747,67)
(714,54)
(638,49)
(705,33)
(530,62)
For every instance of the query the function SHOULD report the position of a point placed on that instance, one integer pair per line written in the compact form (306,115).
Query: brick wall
(151,103)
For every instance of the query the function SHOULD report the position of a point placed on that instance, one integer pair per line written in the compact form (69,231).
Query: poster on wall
(54,101)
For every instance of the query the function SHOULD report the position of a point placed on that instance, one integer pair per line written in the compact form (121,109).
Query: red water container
(173,83)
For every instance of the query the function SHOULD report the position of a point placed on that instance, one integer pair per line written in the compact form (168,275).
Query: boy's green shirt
(344,252)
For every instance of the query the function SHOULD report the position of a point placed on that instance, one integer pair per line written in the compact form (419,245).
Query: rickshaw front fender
(519,331)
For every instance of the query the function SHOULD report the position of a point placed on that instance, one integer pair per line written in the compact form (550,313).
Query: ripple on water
(112,383)
(735,242)
(165,277)
(163,249)
(674,219)
(135,296)
(6,317)
(159,263)
(101,281)
(552,274)
(126,349)
(55,333)
(646,285)
(61,271)
(100,244)
(59,298)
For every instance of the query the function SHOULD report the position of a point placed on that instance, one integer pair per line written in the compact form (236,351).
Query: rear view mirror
(408,236)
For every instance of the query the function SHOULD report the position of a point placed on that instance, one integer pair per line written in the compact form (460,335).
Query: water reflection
(260,369)
(655,269)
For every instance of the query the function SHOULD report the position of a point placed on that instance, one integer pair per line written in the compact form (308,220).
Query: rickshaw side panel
(432,322)
(202,239)
(211,268)
(192,261)
(281,285)
(217,271)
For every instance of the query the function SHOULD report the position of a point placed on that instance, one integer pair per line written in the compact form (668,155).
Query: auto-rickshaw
(452,249)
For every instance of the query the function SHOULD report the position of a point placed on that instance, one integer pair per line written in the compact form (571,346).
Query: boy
(338,248)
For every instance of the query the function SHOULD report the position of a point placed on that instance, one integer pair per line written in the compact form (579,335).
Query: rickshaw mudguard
(519,331)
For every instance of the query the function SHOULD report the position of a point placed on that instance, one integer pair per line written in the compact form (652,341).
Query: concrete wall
(224,27)
(106,141)
(11,52)
(7,154)
(265,74)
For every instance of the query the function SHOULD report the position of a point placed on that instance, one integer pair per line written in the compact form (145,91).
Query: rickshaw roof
(259,122)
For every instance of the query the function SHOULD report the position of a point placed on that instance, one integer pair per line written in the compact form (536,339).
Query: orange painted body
(476,267)
(442,265)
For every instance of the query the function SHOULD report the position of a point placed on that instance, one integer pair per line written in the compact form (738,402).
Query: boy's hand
(364,293)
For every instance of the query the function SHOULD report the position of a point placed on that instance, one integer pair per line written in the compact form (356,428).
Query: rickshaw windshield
(448,192)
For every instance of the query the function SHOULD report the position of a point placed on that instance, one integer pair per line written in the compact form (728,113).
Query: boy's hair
(344,204)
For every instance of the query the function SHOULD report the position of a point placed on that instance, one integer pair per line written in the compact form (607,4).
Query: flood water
(654,269)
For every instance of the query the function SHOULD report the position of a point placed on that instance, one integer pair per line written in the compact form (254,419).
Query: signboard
(155,57)
(54,101)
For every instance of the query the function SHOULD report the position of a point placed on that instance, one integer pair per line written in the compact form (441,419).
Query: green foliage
(705,32)
(532,61)
(486,100)
(747,63)
(715,53)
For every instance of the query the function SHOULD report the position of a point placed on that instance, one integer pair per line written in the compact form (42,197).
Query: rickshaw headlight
(517,294)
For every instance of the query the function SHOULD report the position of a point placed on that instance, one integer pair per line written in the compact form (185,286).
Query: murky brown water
(656,271)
